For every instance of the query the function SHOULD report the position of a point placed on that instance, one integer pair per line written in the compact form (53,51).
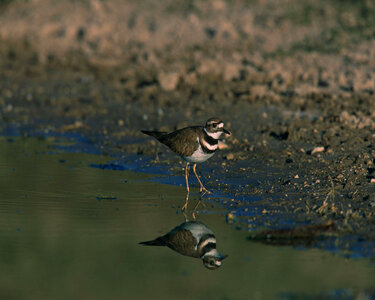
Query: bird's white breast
(199,155)
(199,230)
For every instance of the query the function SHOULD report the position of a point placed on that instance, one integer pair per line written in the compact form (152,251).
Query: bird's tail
(155,134)
(156,242)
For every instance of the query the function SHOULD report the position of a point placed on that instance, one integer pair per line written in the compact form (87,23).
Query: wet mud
(300,106)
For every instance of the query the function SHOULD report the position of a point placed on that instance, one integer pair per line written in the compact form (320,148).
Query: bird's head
(215,128)
(213,259)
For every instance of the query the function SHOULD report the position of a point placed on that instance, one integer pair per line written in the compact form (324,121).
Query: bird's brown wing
(183,242)
(184,141)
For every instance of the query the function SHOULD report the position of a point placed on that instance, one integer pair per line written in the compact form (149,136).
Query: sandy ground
(293,80)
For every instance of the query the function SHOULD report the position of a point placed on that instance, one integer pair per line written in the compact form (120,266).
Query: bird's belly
(198,156)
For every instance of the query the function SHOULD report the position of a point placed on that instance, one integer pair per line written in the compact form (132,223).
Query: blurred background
(276,47)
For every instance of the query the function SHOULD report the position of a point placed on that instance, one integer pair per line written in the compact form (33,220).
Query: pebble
(230,156)
(317,150)
(259,90)
(168,81)
(231,72)
(222,145)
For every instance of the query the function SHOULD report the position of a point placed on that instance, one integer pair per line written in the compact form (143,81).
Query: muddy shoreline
(302,118)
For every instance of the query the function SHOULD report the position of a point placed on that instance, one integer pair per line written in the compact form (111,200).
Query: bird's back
(183,238)
(182,141)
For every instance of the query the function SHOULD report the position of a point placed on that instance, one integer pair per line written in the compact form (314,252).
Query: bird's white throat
(214,135)
(212,252)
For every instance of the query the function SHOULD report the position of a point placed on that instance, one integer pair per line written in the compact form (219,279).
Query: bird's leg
(185,215)
(195,207)
(200,201)
(193,214)
(187,186)
(202,189)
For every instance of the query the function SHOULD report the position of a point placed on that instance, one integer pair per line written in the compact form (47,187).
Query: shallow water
(68,230)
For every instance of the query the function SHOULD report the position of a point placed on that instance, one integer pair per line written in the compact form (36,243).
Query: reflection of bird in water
(195,144)
(192,239)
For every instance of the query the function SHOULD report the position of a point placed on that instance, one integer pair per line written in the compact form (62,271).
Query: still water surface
(70,231)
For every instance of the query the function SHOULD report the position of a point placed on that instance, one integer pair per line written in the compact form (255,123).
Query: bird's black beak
(226,131)
(223,257)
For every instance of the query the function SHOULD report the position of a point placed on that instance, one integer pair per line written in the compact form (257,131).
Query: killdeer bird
(195,144)
(192,239)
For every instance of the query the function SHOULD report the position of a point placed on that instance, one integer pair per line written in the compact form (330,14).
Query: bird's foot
(204,191)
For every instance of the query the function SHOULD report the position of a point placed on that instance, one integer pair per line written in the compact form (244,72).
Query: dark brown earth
(293,80)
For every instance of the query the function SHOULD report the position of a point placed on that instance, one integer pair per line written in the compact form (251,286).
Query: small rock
(230,217)
(168,81)
(191,78)
(76,125)
(208,66)
(219,5)
(222,145)
(231,72)
(230,156)
(317,150)
(259,90)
